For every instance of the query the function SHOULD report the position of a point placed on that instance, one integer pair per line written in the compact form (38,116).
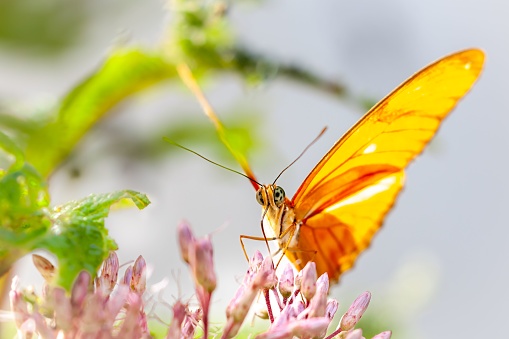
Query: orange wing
(344,199)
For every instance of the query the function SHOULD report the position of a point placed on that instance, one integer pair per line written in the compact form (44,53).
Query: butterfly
(342,203)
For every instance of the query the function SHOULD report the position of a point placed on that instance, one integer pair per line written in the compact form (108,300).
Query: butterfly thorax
(279,217)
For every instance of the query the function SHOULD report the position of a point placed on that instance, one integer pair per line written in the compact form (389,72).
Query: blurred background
(439,266)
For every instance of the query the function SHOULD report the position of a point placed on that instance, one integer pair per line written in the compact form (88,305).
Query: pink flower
(297,305)
(87,312)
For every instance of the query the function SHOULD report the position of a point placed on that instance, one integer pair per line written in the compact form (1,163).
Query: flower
(297,305)
(91,310)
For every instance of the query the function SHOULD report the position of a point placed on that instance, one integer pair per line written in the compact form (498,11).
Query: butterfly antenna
(301,154)
(212,162)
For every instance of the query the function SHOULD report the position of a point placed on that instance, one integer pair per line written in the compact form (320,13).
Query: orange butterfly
(343,201)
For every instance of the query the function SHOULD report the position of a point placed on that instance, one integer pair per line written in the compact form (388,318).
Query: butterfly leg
(291,232)
(252,238)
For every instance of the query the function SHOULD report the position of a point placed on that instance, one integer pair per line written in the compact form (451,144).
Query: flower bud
(317,305)
(308,284)
(355,312)
(256,261)
(299,307)
(383,335)
(109,274)
(309,328)
(322,284)
(355,334)
(285,316)
(331,308)
(202,263)
(80,290)
(44,266)
(139,277)
(62,308)
(285,285)
(186,238)
(266,276)
(128,276)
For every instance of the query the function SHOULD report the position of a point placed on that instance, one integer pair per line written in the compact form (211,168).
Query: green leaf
(23,201)
(125,72)
(78,237)
(23,194)
(13,153)
(73,232)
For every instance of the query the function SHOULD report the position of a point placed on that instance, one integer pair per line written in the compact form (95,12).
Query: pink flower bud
(322,284)
(285,285)
(62,308)
(128,276)
(298,280)
(79,291)
(139,278)
(331,308)
(286,315)
(355,334)
(383,335)
(266,276)
(309,328)
(109,274)
(355,312)
(202,263)
(316,307)
(260,274)
(256,261)
(239,306)
(299,307)
(186,238)
(308,284)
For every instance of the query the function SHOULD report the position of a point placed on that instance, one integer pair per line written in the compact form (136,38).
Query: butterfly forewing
(344,199)
(397,129)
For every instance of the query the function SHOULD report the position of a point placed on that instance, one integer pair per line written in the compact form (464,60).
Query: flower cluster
(103,308)
(298,305)
(304,309)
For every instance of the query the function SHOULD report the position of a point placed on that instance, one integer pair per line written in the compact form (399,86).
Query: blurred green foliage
(125,72)
(42,27)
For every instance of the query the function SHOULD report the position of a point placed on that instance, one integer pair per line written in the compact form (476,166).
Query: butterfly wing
(343,201)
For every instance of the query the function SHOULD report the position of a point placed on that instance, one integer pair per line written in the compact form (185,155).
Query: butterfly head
(270,195)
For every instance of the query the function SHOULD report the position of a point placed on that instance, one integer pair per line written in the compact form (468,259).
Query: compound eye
(259,197)
(279,195)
